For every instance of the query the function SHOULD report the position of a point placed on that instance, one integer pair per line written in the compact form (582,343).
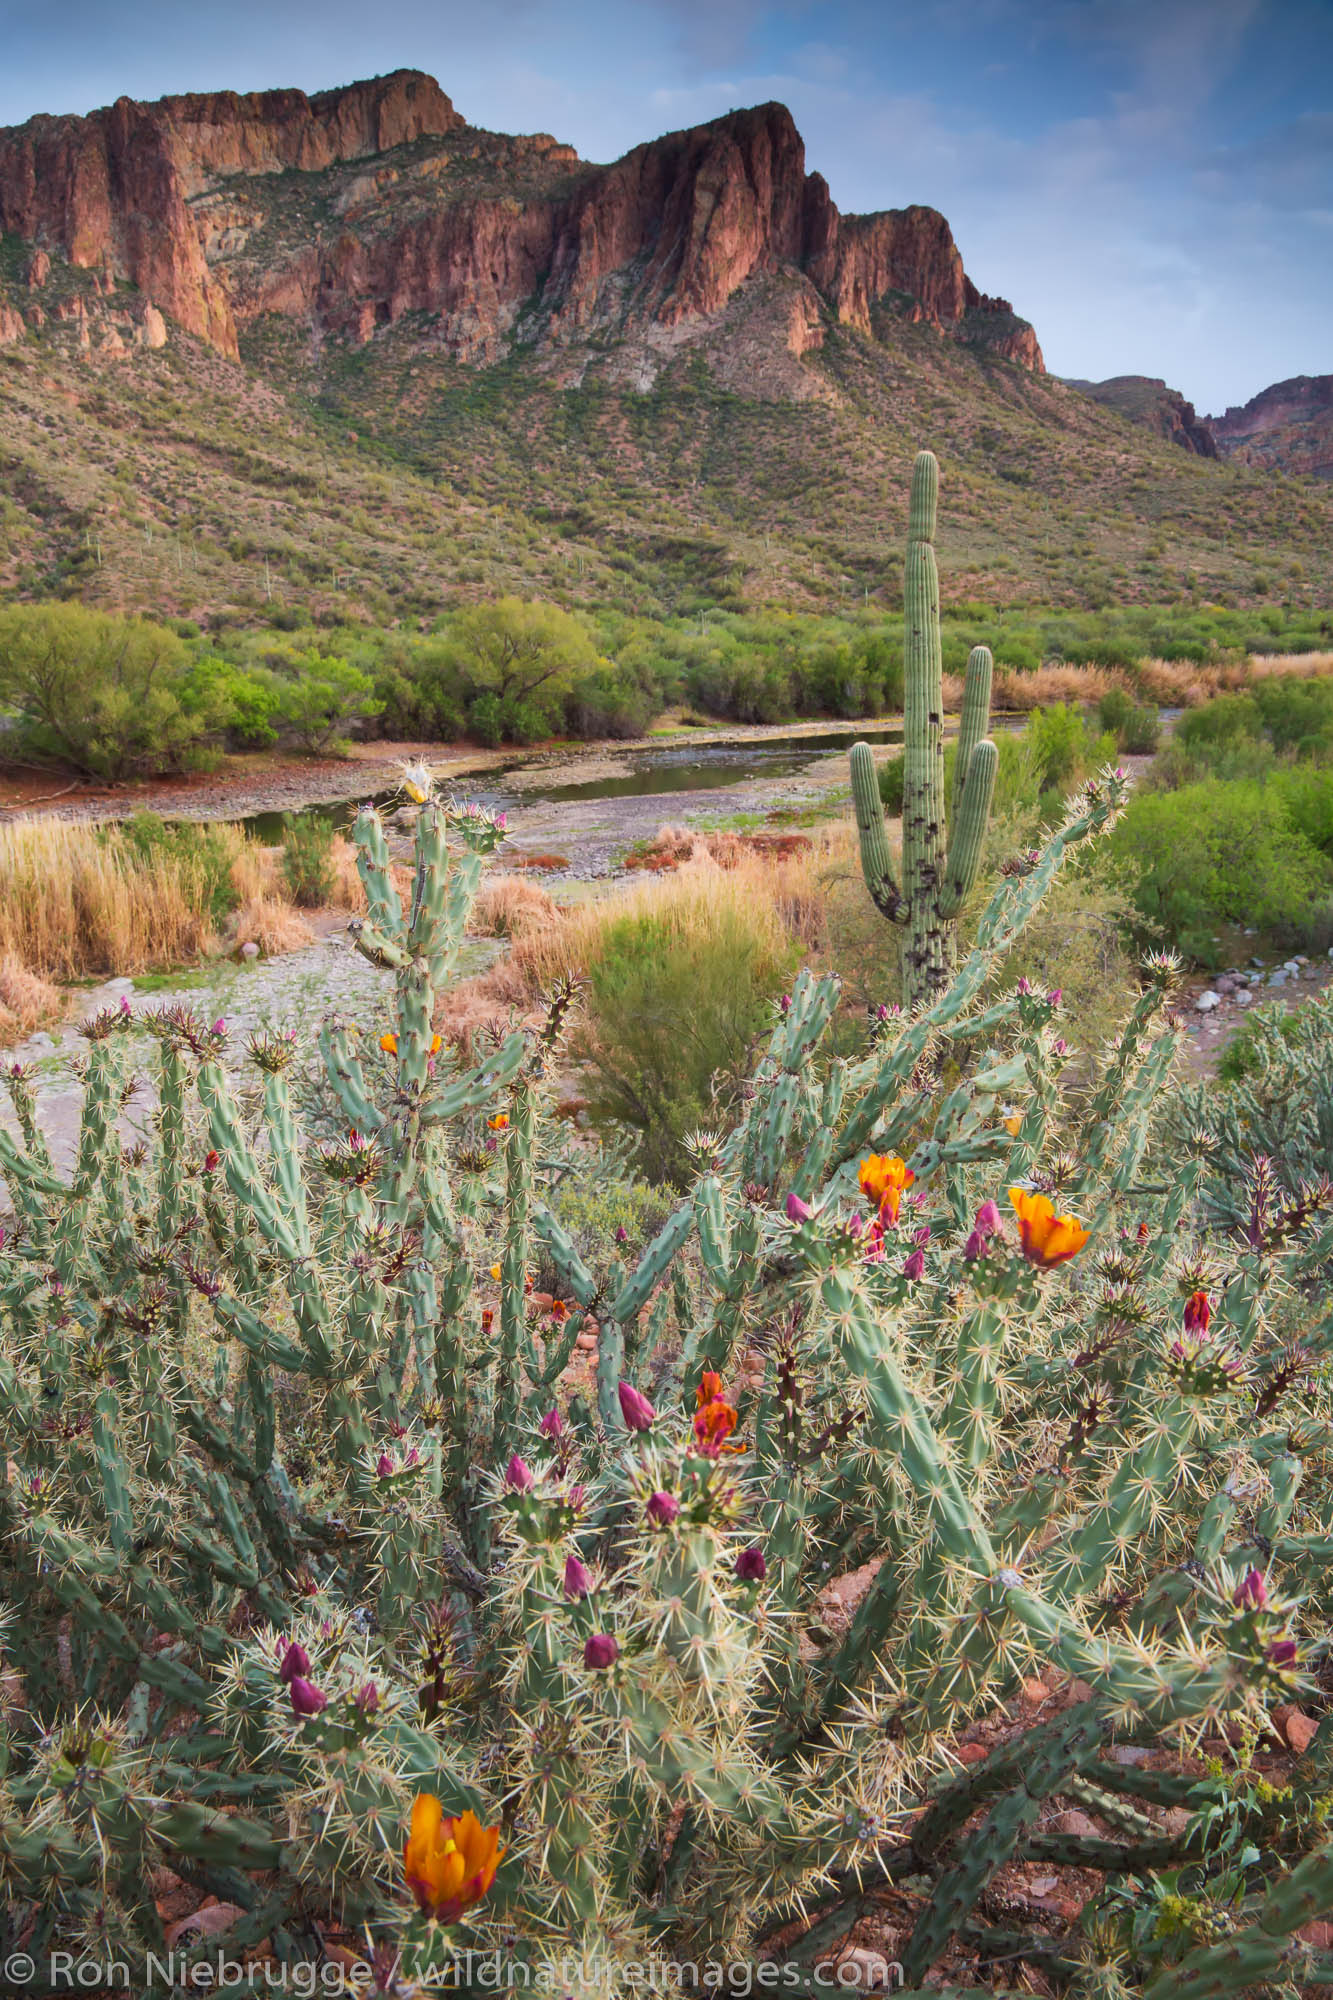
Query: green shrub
(1064,748)
(245,702)
(673,1015)
(892,776)
(1218,853)
(1136,726)
(204,850)
(307,859)
(320,697)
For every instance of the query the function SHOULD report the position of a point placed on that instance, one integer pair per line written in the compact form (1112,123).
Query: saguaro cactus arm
(876,859)
(969,826)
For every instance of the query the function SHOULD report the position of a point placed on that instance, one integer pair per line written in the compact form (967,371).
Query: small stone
(1292,964)
(1207,1001)
(1130,1754)
(1174,1821)
(249,951)
(1076,1825)
(1319,1934)
(863,1970)
(1226,984)
(1280,977)
(1245,999)
(1299,1731)
(1035,1690)
(971,1753)
(1257,962)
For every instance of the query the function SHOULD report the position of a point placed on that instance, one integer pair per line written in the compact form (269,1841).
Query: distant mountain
(272,357)
(1289,426)
(1145,400)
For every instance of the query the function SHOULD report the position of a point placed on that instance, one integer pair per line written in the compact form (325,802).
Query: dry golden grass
(348,893)
(1170,683)
(1020,692)
(26,1002)
(270,923)
(507,906)
(73,902)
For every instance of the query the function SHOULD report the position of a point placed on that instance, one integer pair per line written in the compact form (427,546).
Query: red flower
(1198,1312)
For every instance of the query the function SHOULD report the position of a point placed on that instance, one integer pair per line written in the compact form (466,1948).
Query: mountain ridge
(406,209)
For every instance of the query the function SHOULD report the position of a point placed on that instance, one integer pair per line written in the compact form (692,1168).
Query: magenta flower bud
(600,1651)
(125,1003)
(798,1210)
(219,1026)
(518,1475)
(1025,984)
(413,1457)
(921,1236)
(367,1698)
(384,1466)
(662,1509)
(295,1660)
(1054,997)
(502,820)
(976,1247)
(750,1564)
(988,1219)
(915,1267)
(1059,1046)
(622,1234)
(578,1580)
(785,1003)
(1281,1654)
(637,1411)
(306,1698)
(552,1425)
(1251,1592)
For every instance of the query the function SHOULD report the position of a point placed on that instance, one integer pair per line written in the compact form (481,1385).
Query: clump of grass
(507,906)
(272,924)
(77,900)
(26,1001)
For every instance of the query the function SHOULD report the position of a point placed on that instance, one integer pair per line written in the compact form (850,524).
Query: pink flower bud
(622,1234)
(295,1660)
(1281,1654)
(1054,997)
(798,1210)
(662,1509)
(975,1247)
(413,1458)
(600,1651)
(988,1219)
(578,1581)
(219,1026)
(1198,1312)
(367,1698)
(384,1466)
(552,1425)
(306,1699)
(785,1003)
(915,1267)
(637,1411)
(1025,985)
(1059,1046)
(1251,1592)
(921,1236)
(750,1564)
(518,1475)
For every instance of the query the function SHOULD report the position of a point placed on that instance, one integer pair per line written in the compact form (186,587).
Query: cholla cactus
(326,1591)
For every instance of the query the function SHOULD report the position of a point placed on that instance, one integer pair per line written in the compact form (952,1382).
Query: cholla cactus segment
(331,1579)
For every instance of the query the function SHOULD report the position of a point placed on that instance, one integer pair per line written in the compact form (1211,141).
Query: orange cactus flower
(558,1310)
(709,1389)
(1047,1238)
(449,1864)
(495,1272)
(500,1122)
(487,1318)
(713,1424)
(884,1179)
(1013,1124)
(389,1044)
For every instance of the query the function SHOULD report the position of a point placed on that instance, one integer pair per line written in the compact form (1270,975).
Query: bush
(674,1008)
(204,853)
(1136,726)
(1064,748)
(102,694)
(307,859)
(891,777)
(319,697)
(245,702)
(1217,853)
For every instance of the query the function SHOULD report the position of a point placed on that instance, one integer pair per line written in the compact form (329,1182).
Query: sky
(1149,181)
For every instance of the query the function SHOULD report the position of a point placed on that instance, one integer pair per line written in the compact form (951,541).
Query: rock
(1130,1754)
(249,951)
(1207,1001)
(1280,977)
(1299,1730)
(1173,1822)
(1076,1825)
(1245,998)
(12,325)
(1036,1691)
(971,1753)
(1226,984)
(1257,962)
(1319,1933)
(863,1970)
(39,270)
(119,986)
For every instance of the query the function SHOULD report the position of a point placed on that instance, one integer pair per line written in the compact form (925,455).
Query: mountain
(1289,426)
(271,357)
(403,208)
(1146,400)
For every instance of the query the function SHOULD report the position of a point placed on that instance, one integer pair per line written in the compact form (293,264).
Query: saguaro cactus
(939,866)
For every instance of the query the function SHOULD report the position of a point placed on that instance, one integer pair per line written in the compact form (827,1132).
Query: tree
(97,692)
(320,697)
(528,656)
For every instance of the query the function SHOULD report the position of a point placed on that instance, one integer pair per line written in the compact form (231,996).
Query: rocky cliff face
(1146,400)
(351,210)
(1289,426)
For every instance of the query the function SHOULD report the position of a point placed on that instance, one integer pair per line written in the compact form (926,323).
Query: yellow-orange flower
(1013,1125)
(449,1864)
(495,1272)
(1047,1238)
(389,1044)
(500,1122)
(883,1179)
(714,1422)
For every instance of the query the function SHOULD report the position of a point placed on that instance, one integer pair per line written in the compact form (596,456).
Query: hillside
(350,355)
(1146,399)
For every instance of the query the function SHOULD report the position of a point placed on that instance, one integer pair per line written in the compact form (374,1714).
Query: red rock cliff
(477,233)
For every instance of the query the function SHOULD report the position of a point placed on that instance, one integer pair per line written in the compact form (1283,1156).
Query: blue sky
(1150,181)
